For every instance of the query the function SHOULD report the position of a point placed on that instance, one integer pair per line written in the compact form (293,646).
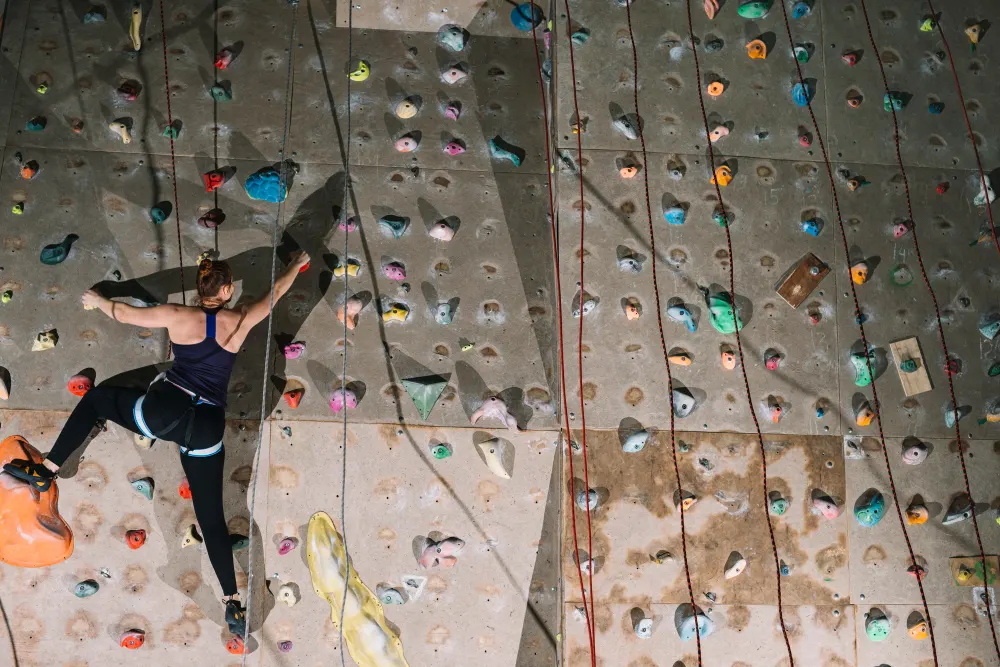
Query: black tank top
(204,367)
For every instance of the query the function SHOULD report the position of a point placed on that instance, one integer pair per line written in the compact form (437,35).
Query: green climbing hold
(900,275)
(7,296)
(994,370)
(908,366)
(394,224)
(144,486)
(877,627)
(85,588)
(221,94)
(424,392)
(754,9)
(801,53)
(441,451)
(172,131)
(721,313)
(239,542)
(779,506)
(502,150)
(160,212)
(57,252)
(893,101)
(721,218)
(862,367)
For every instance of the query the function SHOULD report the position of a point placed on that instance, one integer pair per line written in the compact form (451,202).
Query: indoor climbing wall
(450,360)
(849,593)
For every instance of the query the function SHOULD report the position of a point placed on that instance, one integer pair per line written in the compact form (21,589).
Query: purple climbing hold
(285,646)
(453,110)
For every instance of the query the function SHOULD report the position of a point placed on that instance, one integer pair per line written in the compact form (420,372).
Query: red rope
(659,315)
(739,344)
(972,138)
(173,159)
(937,313)
(562,359)
(864,339)
(579,340)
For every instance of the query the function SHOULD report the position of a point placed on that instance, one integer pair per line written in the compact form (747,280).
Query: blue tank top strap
(209,324)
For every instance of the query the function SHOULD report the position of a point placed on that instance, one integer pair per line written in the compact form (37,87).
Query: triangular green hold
(425,391)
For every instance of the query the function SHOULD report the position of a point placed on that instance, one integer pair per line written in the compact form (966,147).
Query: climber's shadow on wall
(307,229)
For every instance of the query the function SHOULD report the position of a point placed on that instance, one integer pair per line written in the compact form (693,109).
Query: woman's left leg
(204,475)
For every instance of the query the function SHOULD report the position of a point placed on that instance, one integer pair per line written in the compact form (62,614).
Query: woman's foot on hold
(35,474)
(236,617)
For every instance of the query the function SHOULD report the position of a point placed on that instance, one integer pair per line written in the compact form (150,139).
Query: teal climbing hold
(160,212)
(86,588)
(721,218)
(994,370)
(441,451)
(675,215)
(580,36)
(220,93)
(526,16)
(266,185)
(394,224)
(802,53)
(935,107)
(721,313)
(36,124)
(989,325)
(501,150)
(95,15)
(877,627)
(57,252)
(754,9)
(239,542)
(144,486)
(893,101)
(172,131)
(860,361)
(908,366)
(802,94)
(779,506)
(870,509)
(424,392)
(801,9)
(453,37)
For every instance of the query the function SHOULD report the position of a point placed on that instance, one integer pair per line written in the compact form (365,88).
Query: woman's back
(201,364)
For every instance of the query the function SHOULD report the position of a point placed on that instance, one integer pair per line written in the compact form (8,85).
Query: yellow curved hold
(133,27)
(371,642)
(352,268)
(121,130)
(362,72)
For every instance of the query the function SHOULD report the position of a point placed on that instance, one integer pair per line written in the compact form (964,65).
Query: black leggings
(204,473)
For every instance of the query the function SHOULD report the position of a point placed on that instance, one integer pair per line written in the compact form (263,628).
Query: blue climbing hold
(935,107)
(802,94)
(801,9)
(870,509)
(265,185)
(526,16)
(95,15)
(675,215)
(812,227)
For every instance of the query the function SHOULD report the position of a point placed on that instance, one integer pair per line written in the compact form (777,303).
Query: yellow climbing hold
(370,640)
(723,176)
(121,130)
(398,313)
(974,32)
(352,268)
(133,28)
(757,50)
(191,537)
(362,72)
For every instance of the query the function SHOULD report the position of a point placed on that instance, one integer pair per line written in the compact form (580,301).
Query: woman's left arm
(155,317)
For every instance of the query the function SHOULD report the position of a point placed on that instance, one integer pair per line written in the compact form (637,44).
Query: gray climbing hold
(86,588)
(587,500)
(989,325)
(97,14)
(635,442)
(443,314)
(452,37)
(389,595)
(144,486)
(690,623)
(627,126)
(959,510)
(683,402)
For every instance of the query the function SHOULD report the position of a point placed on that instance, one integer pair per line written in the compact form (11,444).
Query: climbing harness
(659,322)
(579,350)
(937,314)
(739,343)
(975,149)
(861,328)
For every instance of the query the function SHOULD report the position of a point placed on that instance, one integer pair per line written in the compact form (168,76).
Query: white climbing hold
(986,192)
(288,594)
(683,403)
(735,565)
(499,456)
(644,628)
(495,407)
(635,442)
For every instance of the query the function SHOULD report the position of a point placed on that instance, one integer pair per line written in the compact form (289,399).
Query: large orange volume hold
(32,534)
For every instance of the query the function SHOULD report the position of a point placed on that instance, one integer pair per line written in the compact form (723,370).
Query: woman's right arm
(259,309)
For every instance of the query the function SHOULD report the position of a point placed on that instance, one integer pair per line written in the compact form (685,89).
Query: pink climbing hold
(453,110)
(350,224)
(294,350)
(287,546)
(443,553)
(772,360)
(900,229)
(406,144)
(454,148)
(394,271)
(342,399)
(805,140)
(826,507)
(442,231)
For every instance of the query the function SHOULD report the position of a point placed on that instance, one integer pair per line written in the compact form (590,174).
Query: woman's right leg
(114,403)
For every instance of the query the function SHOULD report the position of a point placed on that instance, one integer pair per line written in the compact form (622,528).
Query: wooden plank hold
(968,570)
(918,381)
(800,281)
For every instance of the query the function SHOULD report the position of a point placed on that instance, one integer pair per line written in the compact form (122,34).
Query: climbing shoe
(236,618)
(35,474)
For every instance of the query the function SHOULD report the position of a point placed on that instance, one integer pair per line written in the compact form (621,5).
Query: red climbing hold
(135,538)
(805,140)
(304,267)
(132,640)
(772,360)
(235,646)
(184,490)
(293,396)
(850,58)
(128,91)
(79,385)
(212,219)
(952,367)
(224,59)
(214,179)
(942,188)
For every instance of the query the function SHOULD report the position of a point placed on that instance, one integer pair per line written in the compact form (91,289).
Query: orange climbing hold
(859,273)
(32,534)
(135,538)
(184,490)
(214,180)
(629,171)
(854,101)
(681,359)
(235,646)
(293,397)
(723,176)
(865,415)
(757,50)
(719,132)
(728,359)
(133,639)
(28,171)
(79,385)
(715,89)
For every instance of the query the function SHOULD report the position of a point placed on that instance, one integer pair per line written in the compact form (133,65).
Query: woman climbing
(186,405)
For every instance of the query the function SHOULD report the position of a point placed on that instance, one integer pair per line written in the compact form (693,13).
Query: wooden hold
(800,281)
(968,570)
(918,381)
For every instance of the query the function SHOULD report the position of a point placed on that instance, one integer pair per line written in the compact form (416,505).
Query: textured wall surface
(514,596)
